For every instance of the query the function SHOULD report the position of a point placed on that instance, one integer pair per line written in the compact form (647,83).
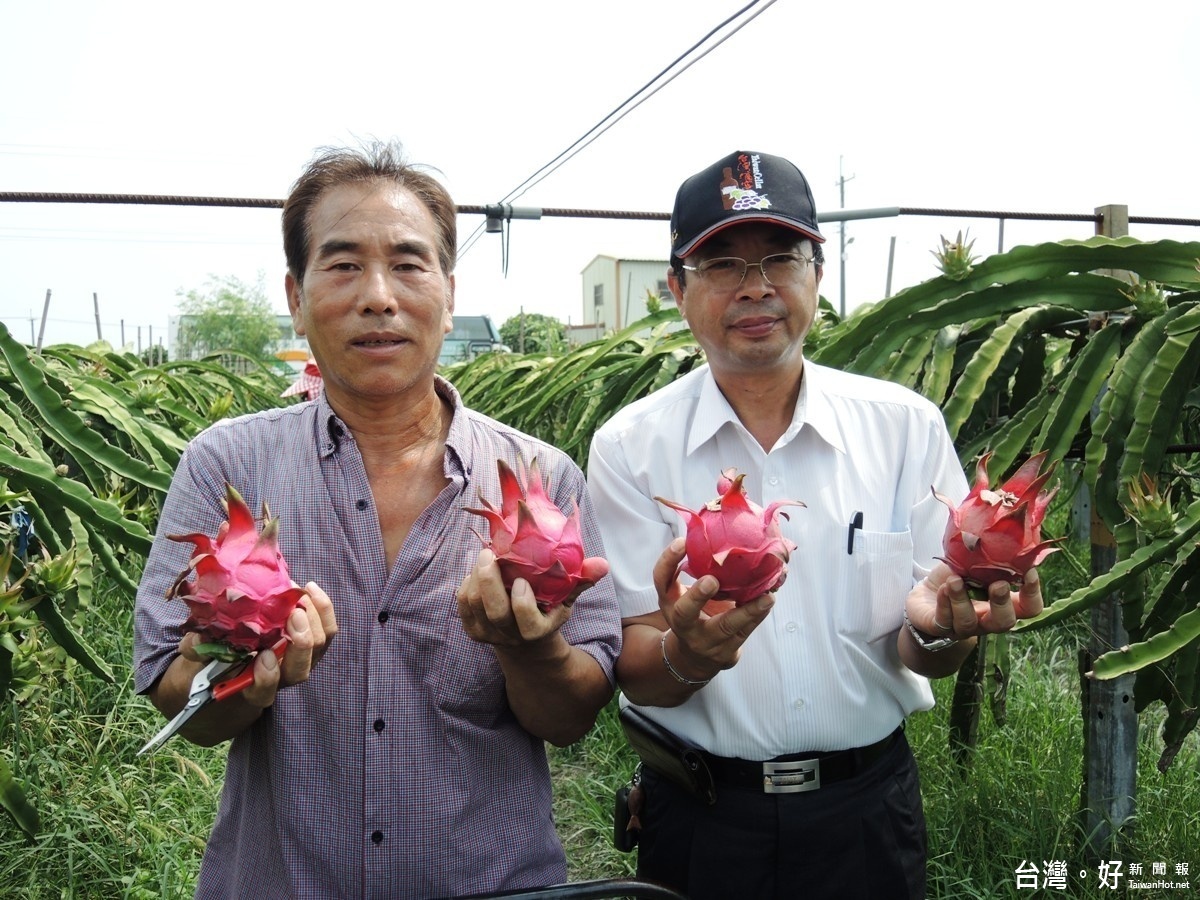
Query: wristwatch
(927,641)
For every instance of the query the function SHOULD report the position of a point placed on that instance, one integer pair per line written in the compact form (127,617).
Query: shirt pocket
(875,580)
(467,678)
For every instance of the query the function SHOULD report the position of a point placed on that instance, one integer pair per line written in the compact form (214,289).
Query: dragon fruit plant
(996,535)
(237,588)
(532,539)
(736,541)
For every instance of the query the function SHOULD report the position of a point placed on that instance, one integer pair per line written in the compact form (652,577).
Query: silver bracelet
(674,672)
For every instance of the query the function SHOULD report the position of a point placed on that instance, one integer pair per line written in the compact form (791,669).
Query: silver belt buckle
(791,777)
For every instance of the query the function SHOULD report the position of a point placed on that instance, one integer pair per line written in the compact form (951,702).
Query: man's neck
(399,428)
(764,403)
(403,449)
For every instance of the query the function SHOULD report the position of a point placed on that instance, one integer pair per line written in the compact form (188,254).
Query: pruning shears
(207,686)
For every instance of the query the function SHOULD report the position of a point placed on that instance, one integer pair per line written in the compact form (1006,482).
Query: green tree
(153,356)
(227,317)
(534,333)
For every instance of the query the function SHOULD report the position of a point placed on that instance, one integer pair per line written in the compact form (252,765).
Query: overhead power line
(628,105)
(641,95)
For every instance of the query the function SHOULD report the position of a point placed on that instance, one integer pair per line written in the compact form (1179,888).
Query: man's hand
(309,629)
(708,634)
(491,615)
(941,607)
(554,689)
(700,636)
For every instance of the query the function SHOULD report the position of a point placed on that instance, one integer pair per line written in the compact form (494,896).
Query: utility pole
(42,329)
(96,307)
(891,259)
(1110,737)
(842,179)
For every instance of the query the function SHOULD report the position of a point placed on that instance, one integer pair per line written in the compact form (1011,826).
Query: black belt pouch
(667,754)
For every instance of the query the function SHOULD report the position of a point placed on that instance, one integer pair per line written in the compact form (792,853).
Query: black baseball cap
(743,187)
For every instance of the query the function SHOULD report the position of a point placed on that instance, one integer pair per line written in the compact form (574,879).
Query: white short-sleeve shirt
(822,671)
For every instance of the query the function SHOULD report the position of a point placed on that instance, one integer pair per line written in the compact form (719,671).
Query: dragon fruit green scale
(237,587)
(736,541)
(532,539)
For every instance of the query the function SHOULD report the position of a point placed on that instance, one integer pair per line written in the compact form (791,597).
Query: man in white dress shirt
(798,698)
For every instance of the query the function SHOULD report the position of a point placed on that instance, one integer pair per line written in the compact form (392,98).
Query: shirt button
(379,725)
(383,616)
(772,480)
(799,704)
(792,626)
(376,837)
(360,504)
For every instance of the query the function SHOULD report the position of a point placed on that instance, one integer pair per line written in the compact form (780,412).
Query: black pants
(859,838)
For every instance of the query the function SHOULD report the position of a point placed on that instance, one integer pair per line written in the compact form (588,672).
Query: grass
(115,825)
(1016,802)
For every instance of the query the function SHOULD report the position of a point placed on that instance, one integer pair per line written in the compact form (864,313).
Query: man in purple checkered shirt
(398,749)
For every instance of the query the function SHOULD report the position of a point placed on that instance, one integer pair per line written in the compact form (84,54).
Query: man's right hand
(709,633)
(705,636)
(309,629)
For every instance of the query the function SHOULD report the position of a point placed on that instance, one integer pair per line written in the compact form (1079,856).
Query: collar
(331,429)
(459,458)
(813,408)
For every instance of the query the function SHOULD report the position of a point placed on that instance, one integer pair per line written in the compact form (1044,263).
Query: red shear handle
(245,678)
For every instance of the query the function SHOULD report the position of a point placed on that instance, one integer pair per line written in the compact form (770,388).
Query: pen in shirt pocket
(856,521)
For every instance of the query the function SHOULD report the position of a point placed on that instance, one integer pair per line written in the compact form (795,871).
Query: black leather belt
(796,772)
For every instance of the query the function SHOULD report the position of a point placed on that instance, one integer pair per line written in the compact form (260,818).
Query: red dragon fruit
(241,596)
(736,541)
(532,539)
(996,535)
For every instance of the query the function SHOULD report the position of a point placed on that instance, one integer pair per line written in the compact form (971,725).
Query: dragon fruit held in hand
(532,539)
(996,535)
(736,541)
(241,595)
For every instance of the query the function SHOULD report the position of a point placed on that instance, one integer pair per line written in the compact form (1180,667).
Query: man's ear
(295,296)
(676,287)
(449,324)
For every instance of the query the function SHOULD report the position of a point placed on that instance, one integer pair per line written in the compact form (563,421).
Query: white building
(615,291)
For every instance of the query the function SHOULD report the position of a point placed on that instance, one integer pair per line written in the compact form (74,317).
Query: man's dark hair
(380,162)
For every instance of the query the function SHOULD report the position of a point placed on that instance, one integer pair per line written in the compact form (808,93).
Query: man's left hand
(491,615)
(940,605)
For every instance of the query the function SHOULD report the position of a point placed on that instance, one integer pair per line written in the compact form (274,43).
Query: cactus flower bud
(1151,509)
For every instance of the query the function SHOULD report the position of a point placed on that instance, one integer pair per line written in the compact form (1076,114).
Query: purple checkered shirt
(398,768)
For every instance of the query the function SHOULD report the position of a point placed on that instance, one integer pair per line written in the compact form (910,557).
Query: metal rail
(838,215)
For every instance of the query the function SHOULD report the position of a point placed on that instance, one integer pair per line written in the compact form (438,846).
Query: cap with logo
(743,187)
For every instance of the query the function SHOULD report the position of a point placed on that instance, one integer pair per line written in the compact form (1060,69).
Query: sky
(1056,107)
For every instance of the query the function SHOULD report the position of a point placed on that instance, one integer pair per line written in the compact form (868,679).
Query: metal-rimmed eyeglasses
(725,273)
